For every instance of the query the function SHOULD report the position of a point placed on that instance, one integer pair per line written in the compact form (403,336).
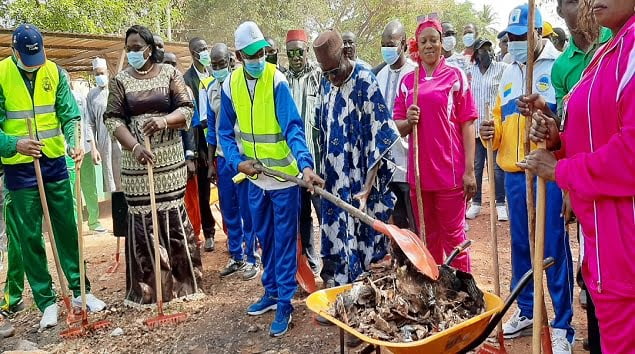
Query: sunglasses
(295,53)
(332,72)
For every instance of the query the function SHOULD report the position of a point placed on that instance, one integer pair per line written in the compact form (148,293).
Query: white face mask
(449,43)
(101,80)
(469,39)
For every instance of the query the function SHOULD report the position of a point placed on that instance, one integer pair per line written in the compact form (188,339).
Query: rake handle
(80,225)
(155,229)
(49,226)
(492,217)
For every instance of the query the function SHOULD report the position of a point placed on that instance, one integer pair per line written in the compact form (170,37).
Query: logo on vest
(47,85)
(543,84)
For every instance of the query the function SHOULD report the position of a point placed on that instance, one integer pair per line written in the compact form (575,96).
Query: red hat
(297,35)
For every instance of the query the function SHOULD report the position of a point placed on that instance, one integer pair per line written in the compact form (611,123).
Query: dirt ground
(218,323)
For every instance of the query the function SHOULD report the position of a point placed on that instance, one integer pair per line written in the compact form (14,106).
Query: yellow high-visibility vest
(260,133)
(19,107)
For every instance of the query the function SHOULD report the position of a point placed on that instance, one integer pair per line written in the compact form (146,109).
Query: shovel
(84,327)
(304,275)
(47,218)
(160,319)
(412,246)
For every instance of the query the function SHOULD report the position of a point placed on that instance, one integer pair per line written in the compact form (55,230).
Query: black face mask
(273,59)
(485,59)
(160,55)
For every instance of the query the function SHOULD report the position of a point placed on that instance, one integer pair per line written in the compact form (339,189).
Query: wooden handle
(326,195)
(80,219)
(491,174)
(156,234)
(415,146)
(47,220)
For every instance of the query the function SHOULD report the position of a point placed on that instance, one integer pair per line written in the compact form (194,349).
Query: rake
(70,318)
(85,327)
(161,318)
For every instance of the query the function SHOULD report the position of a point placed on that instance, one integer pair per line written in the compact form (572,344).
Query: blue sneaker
(266,303)
(280,324)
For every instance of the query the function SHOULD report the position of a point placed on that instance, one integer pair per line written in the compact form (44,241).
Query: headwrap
(297,35)
(433,22)
(99,63)
(413,43)
(328,49)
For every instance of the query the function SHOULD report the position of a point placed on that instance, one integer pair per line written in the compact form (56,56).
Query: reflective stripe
(19,114)
(29,113)
(262,138)
(44,109)
(45,134)
(278,163)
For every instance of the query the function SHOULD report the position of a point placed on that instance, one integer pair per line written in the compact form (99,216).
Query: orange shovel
(412,246)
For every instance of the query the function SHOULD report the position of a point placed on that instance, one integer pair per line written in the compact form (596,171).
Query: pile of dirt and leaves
(398,304)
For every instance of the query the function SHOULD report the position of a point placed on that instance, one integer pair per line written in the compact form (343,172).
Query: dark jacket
(195,137)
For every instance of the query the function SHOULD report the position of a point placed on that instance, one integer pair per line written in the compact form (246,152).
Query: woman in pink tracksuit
(597,167)
(444,115)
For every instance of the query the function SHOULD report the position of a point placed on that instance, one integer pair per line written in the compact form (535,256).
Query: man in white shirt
(393,49)
(448,44)
(350,49)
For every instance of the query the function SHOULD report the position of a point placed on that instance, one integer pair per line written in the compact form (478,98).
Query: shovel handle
(457,250)
(365,218)
(155,231)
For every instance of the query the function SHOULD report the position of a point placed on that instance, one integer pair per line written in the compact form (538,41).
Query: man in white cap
(273,136)
(107,148)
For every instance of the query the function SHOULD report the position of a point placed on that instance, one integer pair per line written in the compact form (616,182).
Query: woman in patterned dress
(151,99)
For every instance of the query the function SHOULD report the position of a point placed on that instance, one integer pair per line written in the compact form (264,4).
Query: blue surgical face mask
(468,39)
(255,67)
(204,58)
(136,59)
(518,50)
(448,43)
(390,54)
(21,65)
(101,80)
(221,74)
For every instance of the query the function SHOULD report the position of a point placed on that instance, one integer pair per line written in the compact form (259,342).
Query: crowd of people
(369,135)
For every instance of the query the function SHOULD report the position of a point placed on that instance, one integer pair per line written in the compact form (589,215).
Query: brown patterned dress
(131,101)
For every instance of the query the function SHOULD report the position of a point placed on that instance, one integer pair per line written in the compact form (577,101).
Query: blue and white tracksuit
(274,205)
(234,198)
(509,140)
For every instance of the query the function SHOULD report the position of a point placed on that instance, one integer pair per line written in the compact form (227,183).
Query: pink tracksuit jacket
(598,169)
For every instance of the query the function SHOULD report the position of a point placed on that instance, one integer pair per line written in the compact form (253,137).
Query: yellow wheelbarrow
(461,338)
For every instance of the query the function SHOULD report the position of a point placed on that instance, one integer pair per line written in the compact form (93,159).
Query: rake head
(488,348)
(84,329)
(162,319)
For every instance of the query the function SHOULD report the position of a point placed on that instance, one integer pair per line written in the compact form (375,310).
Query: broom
(85,327)
(161,318)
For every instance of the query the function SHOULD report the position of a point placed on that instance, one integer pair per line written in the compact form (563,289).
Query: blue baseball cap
(518,19)
(28,45)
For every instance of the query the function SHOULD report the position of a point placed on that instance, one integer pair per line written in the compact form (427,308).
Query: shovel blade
(412,246)
(304,275)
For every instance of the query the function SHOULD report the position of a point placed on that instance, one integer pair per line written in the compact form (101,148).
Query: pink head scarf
(414,42)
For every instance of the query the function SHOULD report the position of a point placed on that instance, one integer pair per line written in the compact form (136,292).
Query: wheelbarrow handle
(548,262)
(320,191)
(457,250)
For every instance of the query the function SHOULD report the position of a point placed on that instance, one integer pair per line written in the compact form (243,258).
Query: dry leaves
(394,303)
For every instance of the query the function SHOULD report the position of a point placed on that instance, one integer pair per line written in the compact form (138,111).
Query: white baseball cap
(99,63)
(249,38)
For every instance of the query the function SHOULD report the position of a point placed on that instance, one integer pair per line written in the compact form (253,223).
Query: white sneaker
(49,317)
(516,326)
(501,210)
(473,212)
(93,304)
(559,342)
